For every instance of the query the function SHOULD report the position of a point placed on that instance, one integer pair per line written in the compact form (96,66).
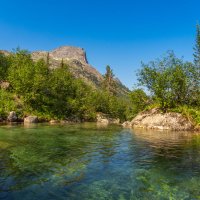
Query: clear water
(89,162)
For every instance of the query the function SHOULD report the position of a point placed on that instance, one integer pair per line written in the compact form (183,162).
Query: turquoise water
(81,162)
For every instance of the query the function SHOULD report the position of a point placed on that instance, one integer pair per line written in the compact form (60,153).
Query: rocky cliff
(76,59)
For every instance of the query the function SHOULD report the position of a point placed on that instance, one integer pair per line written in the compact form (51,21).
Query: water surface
(90,162)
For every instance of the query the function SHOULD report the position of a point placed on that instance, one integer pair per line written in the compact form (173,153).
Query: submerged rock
(154,119)
(31,119)
(12,117)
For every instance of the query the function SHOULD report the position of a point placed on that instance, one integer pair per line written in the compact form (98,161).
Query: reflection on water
(87,161)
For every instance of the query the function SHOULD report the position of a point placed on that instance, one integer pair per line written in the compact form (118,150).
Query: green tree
(197,47)
(53,93)
(21,72)
(196,80)
(4,65)
(109,83)
(139,100)
(48,60)
(169,80)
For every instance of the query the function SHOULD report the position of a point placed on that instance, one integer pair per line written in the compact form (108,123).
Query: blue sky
(121,33)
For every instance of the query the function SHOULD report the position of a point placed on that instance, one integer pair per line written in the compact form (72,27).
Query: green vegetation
(108,83)
(174,85)
(53,93)
(139,100)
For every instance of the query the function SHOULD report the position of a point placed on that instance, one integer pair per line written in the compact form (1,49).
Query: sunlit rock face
(70,53)
(154,119)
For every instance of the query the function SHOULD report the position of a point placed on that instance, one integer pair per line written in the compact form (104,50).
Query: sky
(119,33)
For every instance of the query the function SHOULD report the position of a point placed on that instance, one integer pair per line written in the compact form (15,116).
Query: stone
(69,52)
(4,85)
(64,122)
(105,119)
(155,119)
(53,121)
(31,119)
(127,124)
(12,117)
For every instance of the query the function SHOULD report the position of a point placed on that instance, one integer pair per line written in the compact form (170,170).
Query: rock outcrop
(6,53)
(69,53)
(105,119)
(154,119)
(31,120)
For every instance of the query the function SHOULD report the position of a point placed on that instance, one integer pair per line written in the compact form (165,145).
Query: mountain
(78,64)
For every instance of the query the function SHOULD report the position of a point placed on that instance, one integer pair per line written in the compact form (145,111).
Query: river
(86,162)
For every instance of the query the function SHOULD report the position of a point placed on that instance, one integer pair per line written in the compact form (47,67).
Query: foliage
(3,66)
(108,83)
(171,81)
(191,113)
(7,103)
(139,100)
(197,47)
(53,93)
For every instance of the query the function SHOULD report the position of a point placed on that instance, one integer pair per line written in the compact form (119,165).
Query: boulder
(12,117)
(53,121)
(155,119)
(105,119)
(102,121)
(31,119)
(127,124)
(4,85)
(65,122)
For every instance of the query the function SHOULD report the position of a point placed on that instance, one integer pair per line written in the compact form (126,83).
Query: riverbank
(155,119)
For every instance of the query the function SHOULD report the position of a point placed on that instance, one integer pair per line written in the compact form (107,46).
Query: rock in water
(31,119)
(105,119)
(12,117)
(127,124)
(154,119)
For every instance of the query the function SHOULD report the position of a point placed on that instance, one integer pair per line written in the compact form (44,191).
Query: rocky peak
(6,53)
(69,53)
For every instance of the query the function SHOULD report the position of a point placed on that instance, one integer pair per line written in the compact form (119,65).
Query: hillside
(77,61)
